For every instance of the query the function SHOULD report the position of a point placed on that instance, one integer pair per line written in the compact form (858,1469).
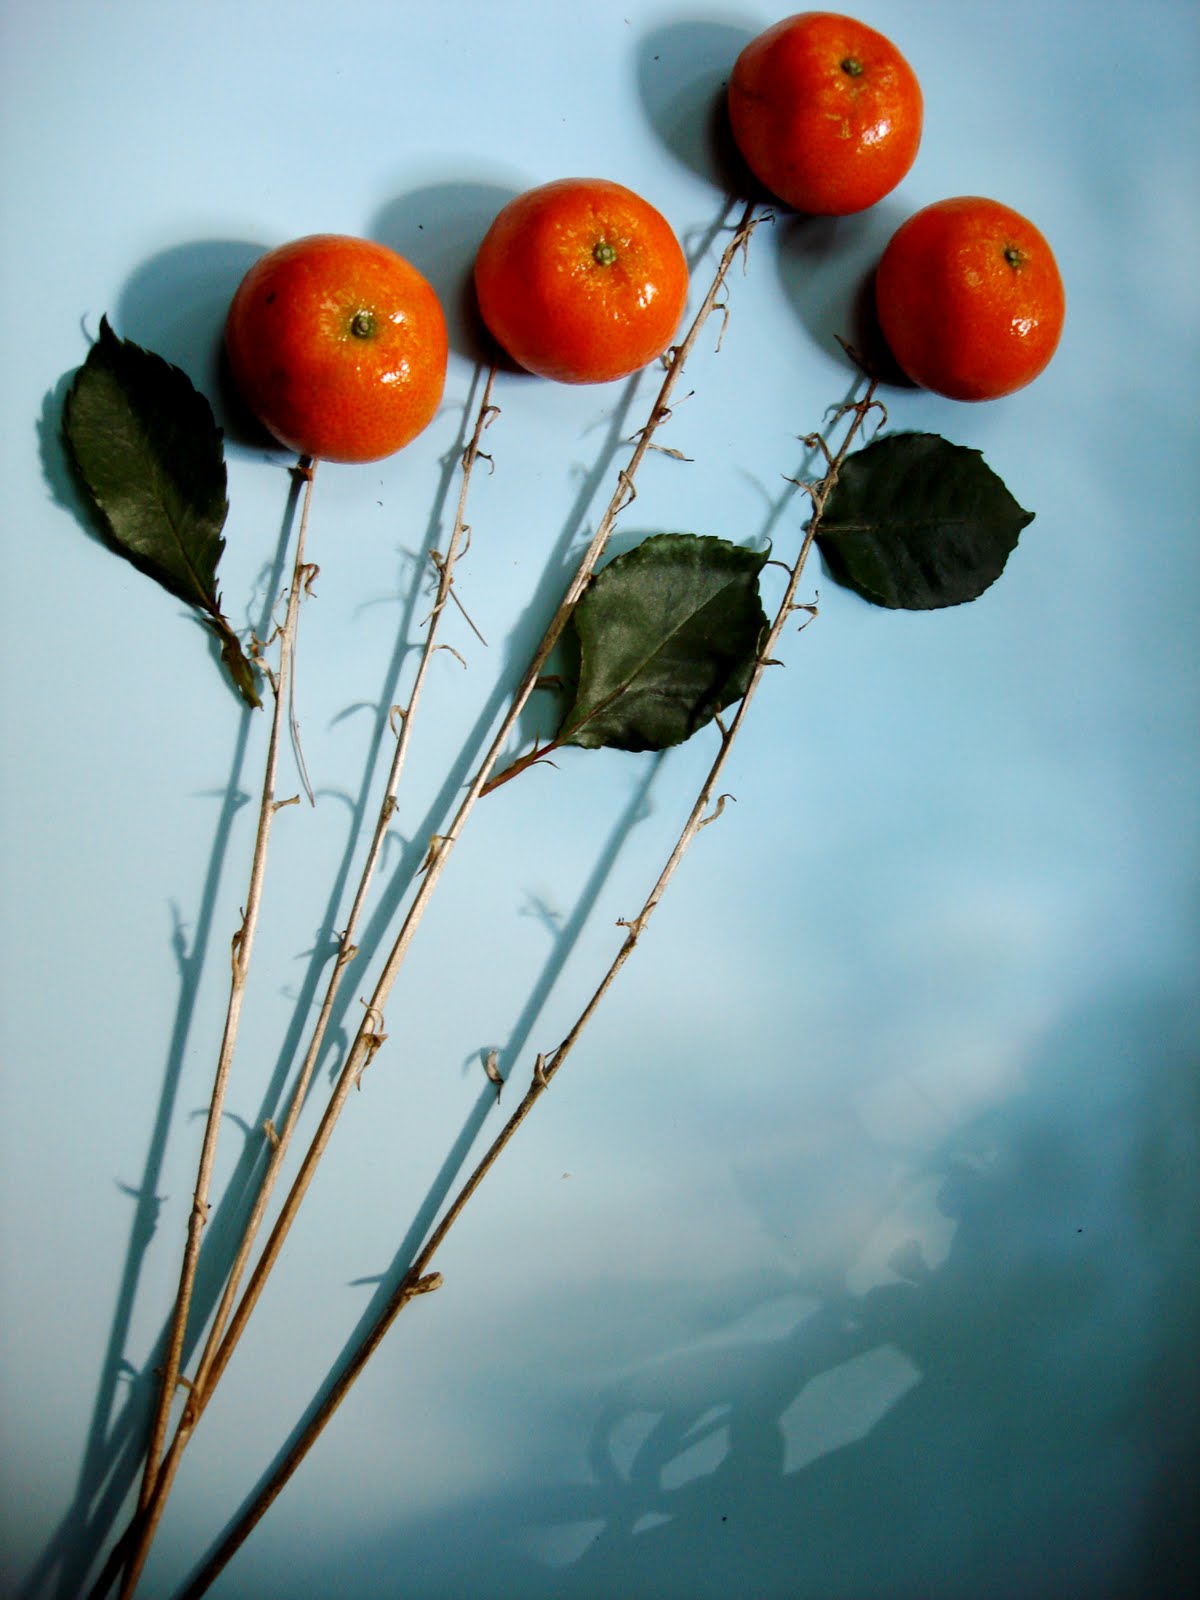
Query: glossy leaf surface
(148,452)
(915,523)
(668,636)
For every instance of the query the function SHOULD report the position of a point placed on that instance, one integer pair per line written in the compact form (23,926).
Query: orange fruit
(826,112)
(581,280)
(970,299)
(338,346)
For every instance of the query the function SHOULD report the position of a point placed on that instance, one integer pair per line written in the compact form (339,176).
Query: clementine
(826,112)
(338,346)
(970,299)
(581,280)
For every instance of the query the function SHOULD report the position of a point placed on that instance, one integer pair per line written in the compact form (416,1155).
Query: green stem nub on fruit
(1015,256)
(853,67)
(362,325)
(604,255)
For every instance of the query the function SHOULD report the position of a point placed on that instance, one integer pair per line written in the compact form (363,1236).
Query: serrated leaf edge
(566,735)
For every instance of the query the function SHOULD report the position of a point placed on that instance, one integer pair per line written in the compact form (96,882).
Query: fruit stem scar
(362,325)
(603,253)
(1015,256)
(852,66)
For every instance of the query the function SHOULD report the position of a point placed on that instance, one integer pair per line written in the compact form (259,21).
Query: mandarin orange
(970,299)
(826,112)
(338,345)
(581,280)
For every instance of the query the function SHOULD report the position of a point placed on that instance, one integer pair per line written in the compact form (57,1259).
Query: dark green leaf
(148,452)
(668,635)
(915,522)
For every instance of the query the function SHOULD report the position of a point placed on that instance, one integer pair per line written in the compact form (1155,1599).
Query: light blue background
(854,1253)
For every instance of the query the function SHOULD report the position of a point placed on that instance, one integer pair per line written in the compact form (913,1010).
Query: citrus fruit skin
(826,112)
(581,280)
(338,345)
(970,299)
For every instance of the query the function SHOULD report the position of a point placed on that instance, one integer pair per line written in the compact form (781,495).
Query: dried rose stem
(243,944)
(151,1505)
(419,1279)
(347,949)
(370,1035)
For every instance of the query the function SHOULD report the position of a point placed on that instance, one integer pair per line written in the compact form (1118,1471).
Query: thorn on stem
(493,1071)
(372,1038)
(745,233)
(447,591)
(723,308)
(437,843)
(815,441)
(718,809)
(278,805)
(660,415)
(269,1129)
(810,489)
(539,1072)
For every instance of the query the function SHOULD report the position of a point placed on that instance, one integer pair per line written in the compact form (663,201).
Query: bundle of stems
(421,1278)
(129,1554)
(135,1544)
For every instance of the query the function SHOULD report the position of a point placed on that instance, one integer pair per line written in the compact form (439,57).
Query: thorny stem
(151,1506)
(347,950)
(419,1279)
(242,947)
(370,1035)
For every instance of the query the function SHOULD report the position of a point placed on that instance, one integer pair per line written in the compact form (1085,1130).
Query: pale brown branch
(363,1046)
(154,1498)
(436,863)
(419,1276)
(242,947)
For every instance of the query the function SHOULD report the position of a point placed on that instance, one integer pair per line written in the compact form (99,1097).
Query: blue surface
(854,1253)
